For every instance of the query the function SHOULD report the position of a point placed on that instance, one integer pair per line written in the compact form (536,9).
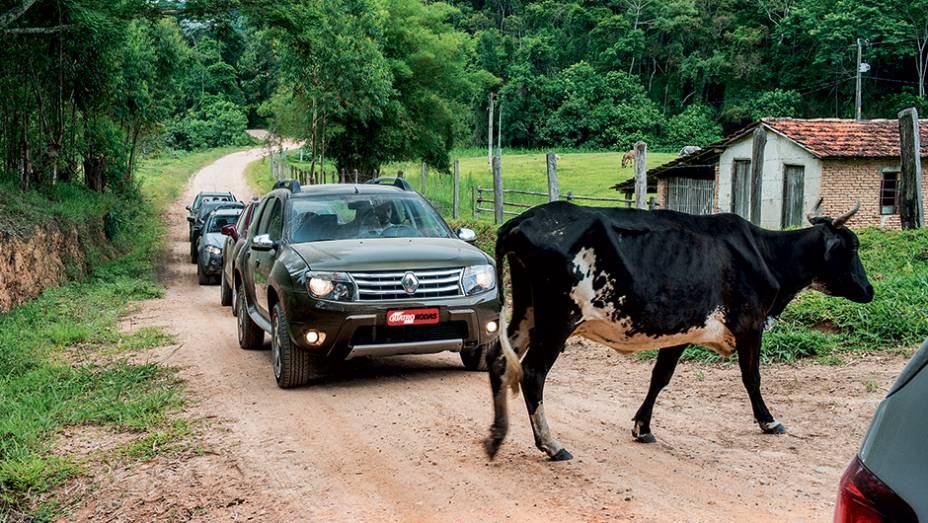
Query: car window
(360,216)
(242,218)
(275,228)
(217,222)
(266,211)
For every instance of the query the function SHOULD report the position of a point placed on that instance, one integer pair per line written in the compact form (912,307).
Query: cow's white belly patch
(605,324)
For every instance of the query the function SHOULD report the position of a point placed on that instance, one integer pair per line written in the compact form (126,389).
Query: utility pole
(857,104)
(490,132)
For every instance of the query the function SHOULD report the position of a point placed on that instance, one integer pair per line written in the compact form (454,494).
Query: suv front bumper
(354,329)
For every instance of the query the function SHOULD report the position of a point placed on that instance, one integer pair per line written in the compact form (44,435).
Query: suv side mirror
(229,230)
(467,235)
(187,207)
(191,219)
(263,242)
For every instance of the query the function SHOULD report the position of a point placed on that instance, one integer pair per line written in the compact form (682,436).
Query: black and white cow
(636,280)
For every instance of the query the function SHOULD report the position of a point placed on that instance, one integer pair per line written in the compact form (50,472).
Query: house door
(793,182)
(741,189)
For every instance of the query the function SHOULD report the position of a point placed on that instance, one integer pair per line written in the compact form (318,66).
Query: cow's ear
(830,245)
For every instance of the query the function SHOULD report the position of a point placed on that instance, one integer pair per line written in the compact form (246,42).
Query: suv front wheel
(292,366)
(475,358)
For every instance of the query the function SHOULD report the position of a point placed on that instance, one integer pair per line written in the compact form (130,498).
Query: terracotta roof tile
(836,138)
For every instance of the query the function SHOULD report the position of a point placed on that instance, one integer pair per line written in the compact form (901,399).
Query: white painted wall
(779,152)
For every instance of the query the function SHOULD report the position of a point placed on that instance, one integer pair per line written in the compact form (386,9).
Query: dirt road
(397,439)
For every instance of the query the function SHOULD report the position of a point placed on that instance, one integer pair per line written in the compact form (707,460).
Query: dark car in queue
(200,221)
(343,271)
(201,198)
(235,237)
(209,244)
(888,478)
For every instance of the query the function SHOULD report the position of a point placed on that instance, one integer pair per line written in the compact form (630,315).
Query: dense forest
(88,86)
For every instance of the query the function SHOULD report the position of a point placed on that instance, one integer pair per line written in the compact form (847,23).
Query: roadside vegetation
(65,363)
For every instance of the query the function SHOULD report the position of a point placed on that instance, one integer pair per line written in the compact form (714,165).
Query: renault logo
(410,283)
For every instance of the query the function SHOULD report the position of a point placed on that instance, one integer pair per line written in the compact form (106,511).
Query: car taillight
(863,498)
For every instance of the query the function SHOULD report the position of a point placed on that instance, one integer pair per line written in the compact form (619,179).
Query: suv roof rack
(396,182)
(290,185)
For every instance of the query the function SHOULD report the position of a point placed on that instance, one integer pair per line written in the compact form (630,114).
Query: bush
(696,125)
(215,123)
(776,104)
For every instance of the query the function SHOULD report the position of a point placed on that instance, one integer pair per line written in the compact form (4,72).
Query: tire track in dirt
(398,439)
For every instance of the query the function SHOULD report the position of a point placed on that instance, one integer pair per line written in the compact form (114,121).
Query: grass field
(580,173)
(258,175)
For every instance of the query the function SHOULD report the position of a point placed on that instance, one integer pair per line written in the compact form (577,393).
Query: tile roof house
(841,161)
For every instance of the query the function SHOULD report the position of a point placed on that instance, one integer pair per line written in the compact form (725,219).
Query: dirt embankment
(45,256)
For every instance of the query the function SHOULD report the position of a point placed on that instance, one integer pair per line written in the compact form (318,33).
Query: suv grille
(410,333)
(387,286)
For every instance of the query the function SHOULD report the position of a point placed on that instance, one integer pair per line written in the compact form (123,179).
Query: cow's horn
(841,220)
(813,214)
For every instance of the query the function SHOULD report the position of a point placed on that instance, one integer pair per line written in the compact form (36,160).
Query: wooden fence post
(498,189)
(344,175)
(757,172)
(425,171)
(553,190)
(641,175)
(652,203)
(473,200)
(911,212)
(456,189)
(355,175)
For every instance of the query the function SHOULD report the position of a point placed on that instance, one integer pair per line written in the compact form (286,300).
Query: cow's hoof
(773,427)
(491,446)
(562,455)
(645,438)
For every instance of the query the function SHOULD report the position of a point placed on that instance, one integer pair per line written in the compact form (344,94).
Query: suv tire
(250,336)
(225,292)
(292,365)
(475,358)
(202,278)
(193,252)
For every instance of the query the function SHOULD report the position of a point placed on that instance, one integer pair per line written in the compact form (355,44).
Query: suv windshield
(216,223)
(362,216)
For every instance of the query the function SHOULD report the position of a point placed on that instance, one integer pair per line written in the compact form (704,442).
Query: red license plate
(412,317)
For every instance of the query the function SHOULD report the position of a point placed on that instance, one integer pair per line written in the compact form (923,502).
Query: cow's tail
(513,375)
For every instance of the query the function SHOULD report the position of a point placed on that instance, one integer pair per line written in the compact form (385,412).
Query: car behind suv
(341,271)
(200,199)
(210,242)
(236,236)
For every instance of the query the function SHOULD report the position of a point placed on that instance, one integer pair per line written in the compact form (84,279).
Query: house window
(889,194)
(741,188)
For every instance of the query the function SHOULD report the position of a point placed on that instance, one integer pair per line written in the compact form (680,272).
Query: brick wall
(662,193)
(715,190)
(846,181)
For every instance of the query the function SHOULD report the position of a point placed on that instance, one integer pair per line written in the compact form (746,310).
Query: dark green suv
(335,272)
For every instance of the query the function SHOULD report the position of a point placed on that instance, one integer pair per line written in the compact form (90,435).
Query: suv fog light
(314,337)
(492,326)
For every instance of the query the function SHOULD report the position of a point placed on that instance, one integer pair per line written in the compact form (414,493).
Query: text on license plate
(412,317)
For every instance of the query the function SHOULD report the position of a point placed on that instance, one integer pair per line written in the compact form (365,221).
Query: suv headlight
(212,249)
(330,285)
(478,278)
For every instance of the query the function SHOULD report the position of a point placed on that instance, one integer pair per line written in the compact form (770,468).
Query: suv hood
(216,239)
(389,254)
